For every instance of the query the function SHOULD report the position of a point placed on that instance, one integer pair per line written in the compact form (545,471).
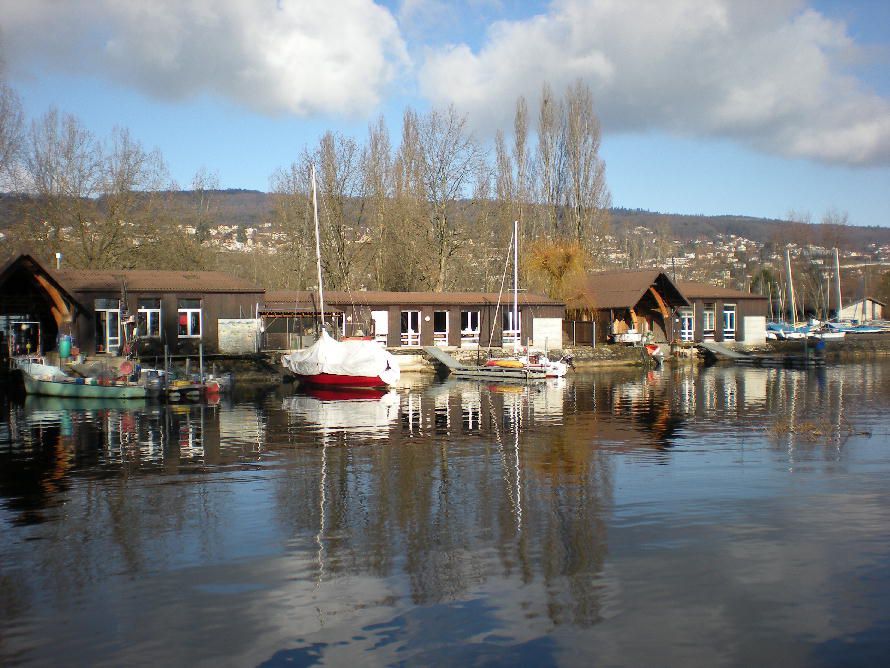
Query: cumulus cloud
(768,74)
(287,56)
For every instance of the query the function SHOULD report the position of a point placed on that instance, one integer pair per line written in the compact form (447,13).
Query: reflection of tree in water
(435,499)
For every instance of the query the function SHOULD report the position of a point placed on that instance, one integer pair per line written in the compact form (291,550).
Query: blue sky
(708,106)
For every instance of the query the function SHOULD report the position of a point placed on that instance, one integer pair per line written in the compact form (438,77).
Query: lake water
(693,516)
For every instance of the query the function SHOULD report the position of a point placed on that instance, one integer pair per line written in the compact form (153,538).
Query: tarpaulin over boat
(344,358)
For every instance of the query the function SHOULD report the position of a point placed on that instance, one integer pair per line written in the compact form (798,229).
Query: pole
(516,327)
(837,282)
(201,360)
(317,249)
(790,286)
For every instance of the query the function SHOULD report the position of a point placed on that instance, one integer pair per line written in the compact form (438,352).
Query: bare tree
(290,196)
(587,195)
(450,157)
(11,134)
(521,159)
(550,159)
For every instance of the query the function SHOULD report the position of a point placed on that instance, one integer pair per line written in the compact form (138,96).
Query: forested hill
(250,208)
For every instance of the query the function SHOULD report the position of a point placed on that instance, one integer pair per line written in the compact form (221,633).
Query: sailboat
(531,360)
(339,364)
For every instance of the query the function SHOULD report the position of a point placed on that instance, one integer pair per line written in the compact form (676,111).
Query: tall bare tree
(11,134)
(550,159)
(450,156)
(587,195)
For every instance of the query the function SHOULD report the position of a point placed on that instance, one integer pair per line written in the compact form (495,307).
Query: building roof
(147,280)
(624,289)
(381,298)
(698,290)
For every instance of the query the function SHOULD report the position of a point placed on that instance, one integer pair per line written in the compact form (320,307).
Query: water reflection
(308,525)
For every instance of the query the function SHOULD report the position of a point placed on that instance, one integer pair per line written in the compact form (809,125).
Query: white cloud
(769,74)
(286,56)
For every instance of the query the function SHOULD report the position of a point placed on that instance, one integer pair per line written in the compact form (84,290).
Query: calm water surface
(686,517)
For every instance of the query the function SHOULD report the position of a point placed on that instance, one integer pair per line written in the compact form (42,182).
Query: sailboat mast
(837,282)
(317,249)
(790,286)
(516,284)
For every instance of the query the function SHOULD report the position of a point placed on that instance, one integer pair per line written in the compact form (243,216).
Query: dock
(718,351)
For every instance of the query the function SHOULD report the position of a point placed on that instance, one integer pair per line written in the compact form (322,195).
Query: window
(708,320)
(148,318)
(729,322)
(189,319)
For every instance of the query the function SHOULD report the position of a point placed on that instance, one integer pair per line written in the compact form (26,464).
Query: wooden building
(629,306)
(720,314)
(861,310)
(177,309)
(412,319)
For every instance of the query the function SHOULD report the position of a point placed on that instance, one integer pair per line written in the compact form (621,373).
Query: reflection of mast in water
(322,512)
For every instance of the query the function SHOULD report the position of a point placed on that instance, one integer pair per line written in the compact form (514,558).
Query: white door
(411,328)
(440,328)
(381,326)
(729,322)
(687,324)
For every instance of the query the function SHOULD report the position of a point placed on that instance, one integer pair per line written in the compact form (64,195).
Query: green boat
(70,387)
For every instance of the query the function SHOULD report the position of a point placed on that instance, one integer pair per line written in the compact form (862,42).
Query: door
(440,328)
(410,328)
(108,327)
(729,322)
(687,324)
(469,329)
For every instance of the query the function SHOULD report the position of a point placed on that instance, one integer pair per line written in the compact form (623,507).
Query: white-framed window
(440,328)
(512,330)
(148,318)
(687,324)
(469,328)
(709,320)
(410,328)
(729,322)
(189,319)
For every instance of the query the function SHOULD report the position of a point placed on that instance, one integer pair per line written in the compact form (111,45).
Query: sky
(735,107)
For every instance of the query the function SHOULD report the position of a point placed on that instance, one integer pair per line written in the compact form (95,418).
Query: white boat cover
(344,358)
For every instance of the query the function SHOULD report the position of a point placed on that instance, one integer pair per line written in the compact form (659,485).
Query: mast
(317,249)
(790,285)
(837,282)
(515,285)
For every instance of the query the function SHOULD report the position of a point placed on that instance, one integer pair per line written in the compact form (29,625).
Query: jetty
(720,352)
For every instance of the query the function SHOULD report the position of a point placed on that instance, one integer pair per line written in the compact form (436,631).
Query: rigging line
(497,307)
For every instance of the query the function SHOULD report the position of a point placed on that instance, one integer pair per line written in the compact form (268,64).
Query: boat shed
(861,310)
(720,314)
(99,309)
(629,306)
(415,319)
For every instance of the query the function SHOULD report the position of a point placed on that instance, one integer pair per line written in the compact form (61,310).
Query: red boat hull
(335,380)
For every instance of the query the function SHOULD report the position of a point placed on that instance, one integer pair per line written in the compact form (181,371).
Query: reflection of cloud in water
(363,417)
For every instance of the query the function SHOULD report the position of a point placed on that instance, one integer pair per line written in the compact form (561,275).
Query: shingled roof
(698,290)
(381,298)
(624,289)
(146,280)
